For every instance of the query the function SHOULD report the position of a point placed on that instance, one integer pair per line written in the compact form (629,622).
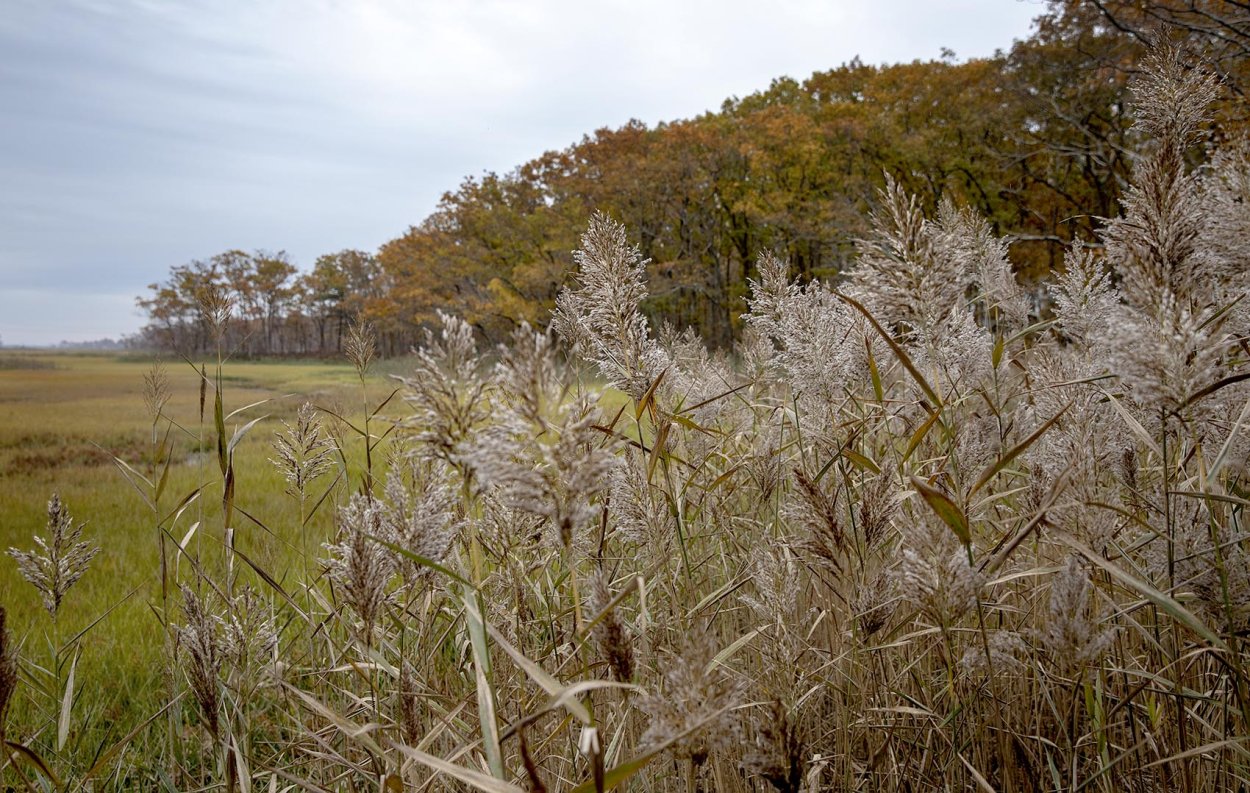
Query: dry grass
(907,538)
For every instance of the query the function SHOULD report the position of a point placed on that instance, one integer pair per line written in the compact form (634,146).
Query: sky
(136,135)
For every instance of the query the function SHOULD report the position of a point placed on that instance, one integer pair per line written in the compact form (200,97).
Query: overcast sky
(140,134)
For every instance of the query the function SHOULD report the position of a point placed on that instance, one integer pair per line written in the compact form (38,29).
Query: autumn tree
(341,287)
(1217,30)
(175,320)
(258,287)
(1039,139)
(495,250)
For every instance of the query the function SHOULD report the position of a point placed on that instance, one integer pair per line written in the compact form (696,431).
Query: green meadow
(70,424)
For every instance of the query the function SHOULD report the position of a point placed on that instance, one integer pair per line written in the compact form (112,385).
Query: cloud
(140,135)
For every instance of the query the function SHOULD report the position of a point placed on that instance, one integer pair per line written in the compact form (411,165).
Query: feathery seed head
(601,319)
(60,560)
(817,341)
(1226,193)
(875,603)
(638,507)
(956,351)
(875,509)
(527,375)
(1167,357)
(215,305)
(901,274)
(249,637)
(1159,245)
(814,509)
(409,705)
(561,479)
(305,450)
(764,462)
(360,346)
(935,576)
(1071,632)
(1172,98)
(155,390)
(1007,651)
(771,293)
(1084,299)
(203,389)
(778,588)
(942,587)
(361,566)
(421,514)
(777,753)
(695,691)
(968,239)
(1127,468)
(201,643)
(611,635)
(450,399)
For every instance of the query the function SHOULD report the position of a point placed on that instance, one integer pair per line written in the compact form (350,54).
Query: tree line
(276,309)
(1037,138)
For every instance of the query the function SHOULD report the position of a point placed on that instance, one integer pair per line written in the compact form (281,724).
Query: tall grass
(910,536)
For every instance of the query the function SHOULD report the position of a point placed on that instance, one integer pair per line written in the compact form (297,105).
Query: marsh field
(65,420)
(920,528)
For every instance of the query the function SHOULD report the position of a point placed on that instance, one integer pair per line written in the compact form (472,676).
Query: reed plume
(359,564)
(60,560)
(600,319)
(200,645)
(612,637)
(1071,633)
(305,451)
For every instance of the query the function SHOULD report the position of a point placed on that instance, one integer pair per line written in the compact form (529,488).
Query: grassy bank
(64,418)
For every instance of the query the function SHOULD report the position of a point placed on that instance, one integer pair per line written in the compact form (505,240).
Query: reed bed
(908,536)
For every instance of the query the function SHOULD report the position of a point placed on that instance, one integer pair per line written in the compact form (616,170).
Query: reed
(907,536)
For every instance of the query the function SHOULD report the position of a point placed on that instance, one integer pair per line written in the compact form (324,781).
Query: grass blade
(1134,425)
(67,703)
(536,673)
(245,408)
(482,674)
(1165,602)
(648,399)
(421,560)
(35,761)
(240,432)
(898,351)
(466,775)
(919,435)
(946,509)
(219,425)
(1016,451)
(104,759)
(620,774)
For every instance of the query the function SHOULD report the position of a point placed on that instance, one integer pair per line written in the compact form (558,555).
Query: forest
(1039,139)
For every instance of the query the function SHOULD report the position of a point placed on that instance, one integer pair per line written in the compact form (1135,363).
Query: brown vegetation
(907,538)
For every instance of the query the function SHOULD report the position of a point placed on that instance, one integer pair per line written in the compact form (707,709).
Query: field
(64,417)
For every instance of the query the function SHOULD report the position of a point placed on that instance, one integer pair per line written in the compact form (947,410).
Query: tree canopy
(1037,138)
